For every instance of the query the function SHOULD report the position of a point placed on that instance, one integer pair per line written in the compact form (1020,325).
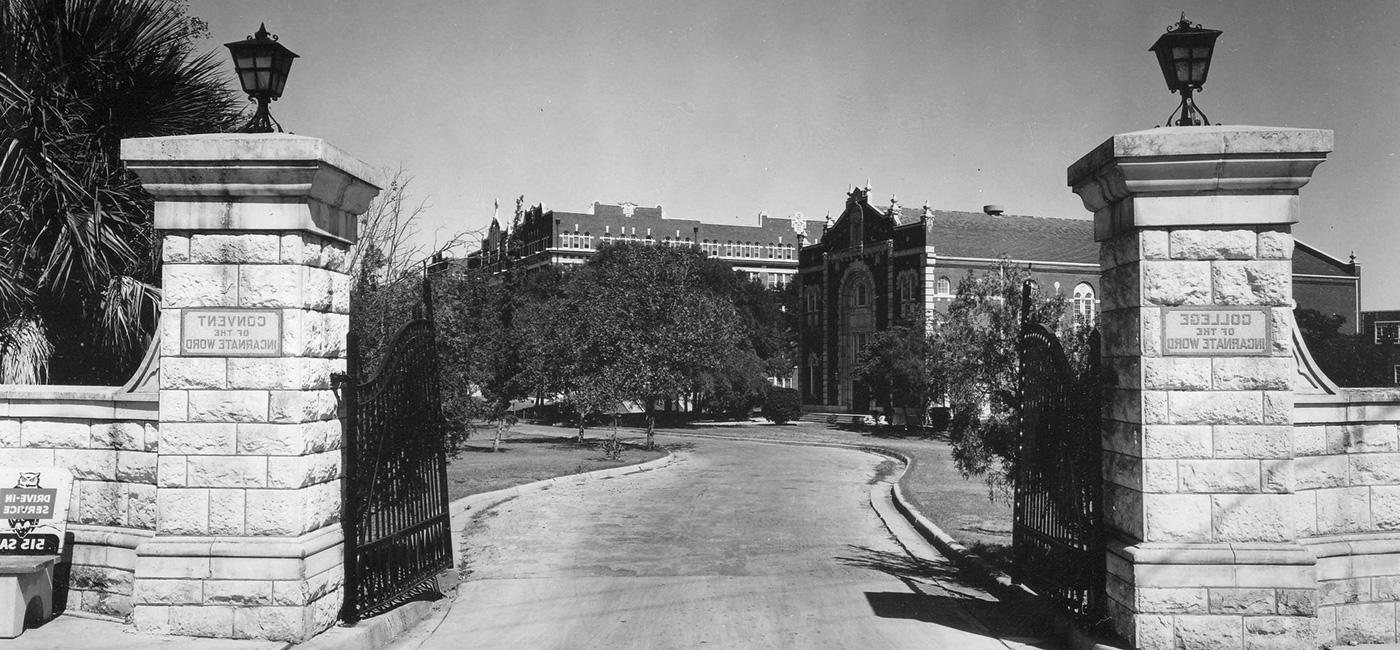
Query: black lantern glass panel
(1184,54)
(262,65)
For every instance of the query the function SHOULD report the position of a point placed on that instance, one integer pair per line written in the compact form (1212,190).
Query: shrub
(782,405)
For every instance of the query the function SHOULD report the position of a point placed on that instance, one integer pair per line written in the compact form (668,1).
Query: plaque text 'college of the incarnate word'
(1189,331)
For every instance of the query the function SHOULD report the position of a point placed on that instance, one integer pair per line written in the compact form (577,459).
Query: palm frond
(76,77)
(128,307)
(25,351)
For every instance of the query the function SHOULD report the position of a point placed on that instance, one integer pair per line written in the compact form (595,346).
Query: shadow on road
(938,596)
(899,565)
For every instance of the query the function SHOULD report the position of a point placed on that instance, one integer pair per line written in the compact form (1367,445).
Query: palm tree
(79,262)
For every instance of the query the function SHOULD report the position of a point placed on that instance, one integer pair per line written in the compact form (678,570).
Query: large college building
(871,268)
(876,266)
(766,249)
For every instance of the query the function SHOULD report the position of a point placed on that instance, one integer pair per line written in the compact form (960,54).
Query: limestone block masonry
(1347,478)
(255,229)
(107,437)
(1194,226)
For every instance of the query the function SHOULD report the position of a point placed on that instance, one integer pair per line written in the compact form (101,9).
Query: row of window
(750,250)
(584,240)
(1082,300)
(771,280)
(741,250)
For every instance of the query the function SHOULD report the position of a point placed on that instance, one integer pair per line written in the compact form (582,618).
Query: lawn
(531,453)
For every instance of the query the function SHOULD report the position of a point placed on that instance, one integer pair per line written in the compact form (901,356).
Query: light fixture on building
(262,65)
(1184,53)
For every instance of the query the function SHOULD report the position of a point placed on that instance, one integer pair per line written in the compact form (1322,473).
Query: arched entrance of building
(856,325)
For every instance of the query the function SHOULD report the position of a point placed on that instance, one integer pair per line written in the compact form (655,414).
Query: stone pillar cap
(209,147)
(1196,161)
(251,181)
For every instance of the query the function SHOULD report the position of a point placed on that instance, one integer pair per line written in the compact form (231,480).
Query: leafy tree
(482,346)
(78,295)
(735,386)
(768,322)
(1352,360)
(387,269)
(975,350)
(764,314)
(560,358)
(897,365)
(654,324)
(782,405)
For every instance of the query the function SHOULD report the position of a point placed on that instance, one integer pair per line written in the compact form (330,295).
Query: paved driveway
(734,545)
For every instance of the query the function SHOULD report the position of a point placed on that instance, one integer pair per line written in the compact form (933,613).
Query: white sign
(231,332)
(1221,331)
(33,509)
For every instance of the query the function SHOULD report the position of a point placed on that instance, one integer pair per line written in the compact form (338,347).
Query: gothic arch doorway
(857,323)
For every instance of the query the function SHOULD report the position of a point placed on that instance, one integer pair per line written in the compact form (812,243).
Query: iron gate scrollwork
(1058,535)
(394,509)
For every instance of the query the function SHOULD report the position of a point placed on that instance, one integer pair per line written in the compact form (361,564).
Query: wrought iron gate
(397,531)
(1058,536)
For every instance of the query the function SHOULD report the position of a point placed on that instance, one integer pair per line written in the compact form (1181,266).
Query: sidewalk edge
(383,630)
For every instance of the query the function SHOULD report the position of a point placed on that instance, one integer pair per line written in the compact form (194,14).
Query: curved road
(733,545)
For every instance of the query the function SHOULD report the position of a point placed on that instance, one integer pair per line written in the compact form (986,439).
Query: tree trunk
(649,406)
(581,416)
(500,429)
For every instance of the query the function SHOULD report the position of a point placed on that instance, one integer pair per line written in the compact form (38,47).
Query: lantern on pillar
(262,65)
(1184,53)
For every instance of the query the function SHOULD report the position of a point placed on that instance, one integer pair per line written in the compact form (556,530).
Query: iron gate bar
(1058,541)
(394,508)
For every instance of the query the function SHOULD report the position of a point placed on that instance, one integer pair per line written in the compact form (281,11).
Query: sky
(719,110)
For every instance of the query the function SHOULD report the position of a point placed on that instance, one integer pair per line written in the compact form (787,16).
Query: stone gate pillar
(255,233)
(1194,225)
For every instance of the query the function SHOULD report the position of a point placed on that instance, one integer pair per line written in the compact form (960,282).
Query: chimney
(993,210)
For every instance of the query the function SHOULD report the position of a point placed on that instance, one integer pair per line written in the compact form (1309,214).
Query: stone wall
(107,437)
(248,539)
(1197,453)
(1347,479)
(1194,226)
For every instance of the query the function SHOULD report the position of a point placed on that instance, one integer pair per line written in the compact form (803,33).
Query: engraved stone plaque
(1216,331)
(231,332)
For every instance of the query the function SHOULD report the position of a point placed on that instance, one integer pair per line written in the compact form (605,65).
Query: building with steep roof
(878,266)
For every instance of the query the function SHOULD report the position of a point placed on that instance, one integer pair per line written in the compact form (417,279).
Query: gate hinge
(340,378)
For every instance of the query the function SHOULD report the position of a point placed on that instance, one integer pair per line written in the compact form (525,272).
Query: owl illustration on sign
(23,527)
